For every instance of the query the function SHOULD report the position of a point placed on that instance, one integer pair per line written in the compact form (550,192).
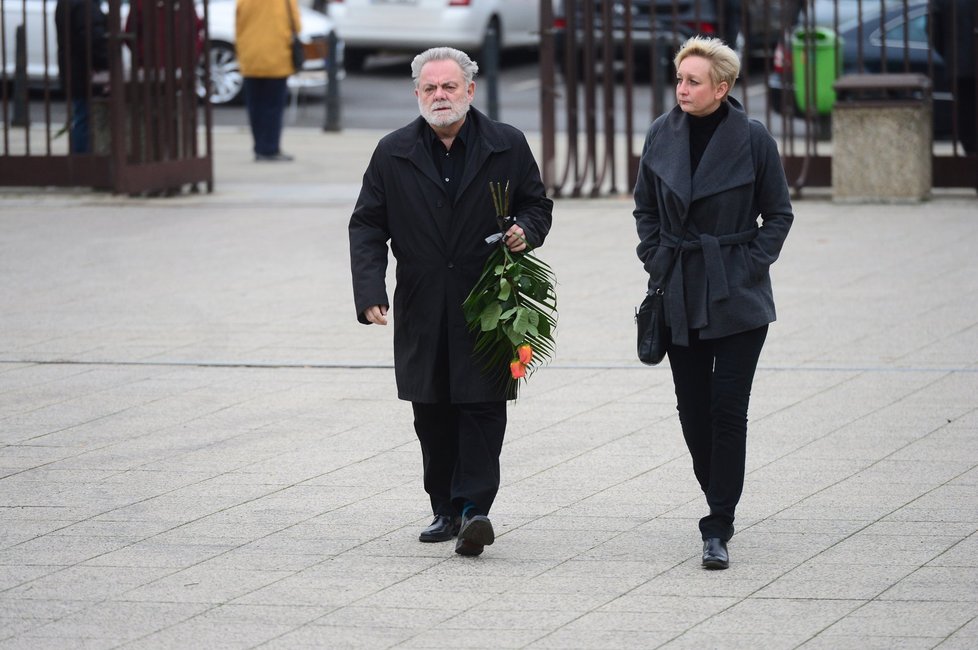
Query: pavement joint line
(387,366)
(828,433)
(178,570)
(860,603)
(91,412)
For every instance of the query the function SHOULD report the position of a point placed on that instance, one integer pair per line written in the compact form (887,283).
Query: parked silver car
(410,26)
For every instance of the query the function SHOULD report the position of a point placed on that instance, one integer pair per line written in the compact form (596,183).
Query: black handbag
(651,323)
(650,318)
(298,54)
(298,49)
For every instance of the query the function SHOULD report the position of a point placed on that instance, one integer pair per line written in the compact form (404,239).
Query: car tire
(227,82)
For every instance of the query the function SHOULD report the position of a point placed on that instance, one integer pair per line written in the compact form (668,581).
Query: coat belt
(716,275)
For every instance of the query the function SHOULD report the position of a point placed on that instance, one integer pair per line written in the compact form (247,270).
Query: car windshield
(916,32)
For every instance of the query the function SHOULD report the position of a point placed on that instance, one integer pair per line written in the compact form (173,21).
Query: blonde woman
(706,164)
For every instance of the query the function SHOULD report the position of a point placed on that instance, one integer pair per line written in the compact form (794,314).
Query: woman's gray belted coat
(721,284)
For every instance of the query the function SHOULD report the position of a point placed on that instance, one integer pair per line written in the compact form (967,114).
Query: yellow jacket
(263,37)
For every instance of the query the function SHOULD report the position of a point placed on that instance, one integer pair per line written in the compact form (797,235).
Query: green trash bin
(826,48)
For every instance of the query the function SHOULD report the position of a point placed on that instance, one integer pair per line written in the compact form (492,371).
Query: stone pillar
(882,134)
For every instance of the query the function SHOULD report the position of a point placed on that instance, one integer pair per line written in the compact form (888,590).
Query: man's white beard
(444,119)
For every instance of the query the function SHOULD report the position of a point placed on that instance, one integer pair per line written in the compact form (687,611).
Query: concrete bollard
(21,115)
(882,135)
(334,107)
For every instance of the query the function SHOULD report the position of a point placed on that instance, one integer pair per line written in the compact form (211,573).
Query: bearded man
(426,192)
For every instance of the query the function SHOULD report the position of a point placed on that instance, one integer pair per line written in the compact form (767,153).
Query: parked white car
(226,80)
(410,26)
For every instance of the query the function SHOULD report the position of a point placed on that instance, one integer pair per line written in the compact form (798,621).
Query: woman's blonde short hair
(724,62)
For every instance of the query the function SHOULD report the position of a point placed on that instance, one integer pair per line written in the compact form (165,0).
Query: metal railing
(606,73)
(149,131)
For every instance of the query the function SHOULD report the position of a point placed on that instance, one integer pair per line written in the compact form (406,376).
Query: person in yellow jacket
(263,42)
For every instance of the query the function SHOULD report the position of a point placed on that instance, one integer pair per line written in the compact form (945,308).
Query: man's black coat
(440,249)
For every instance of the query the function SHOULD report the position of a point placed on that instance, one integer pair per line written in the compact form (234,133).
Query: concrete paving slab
(200,446)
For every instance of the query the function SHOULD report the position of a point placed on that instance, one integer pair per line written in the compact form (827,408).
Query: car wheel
(226,80)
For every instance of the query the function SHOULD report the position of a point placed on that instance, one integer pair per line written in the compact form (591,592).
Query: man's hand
(376,314)
(515,239)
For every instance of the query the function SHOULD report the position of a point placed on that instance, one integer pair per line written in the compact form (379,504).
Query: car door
(40,36)
(906,39)
(908,48)
(520,22)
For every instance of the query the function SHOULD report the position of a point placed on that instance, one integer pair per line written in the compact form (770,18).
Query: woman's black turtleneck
(701,129)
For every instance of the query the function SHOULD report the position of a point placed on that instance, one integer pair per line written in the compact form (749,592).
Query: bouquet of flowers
(513,306)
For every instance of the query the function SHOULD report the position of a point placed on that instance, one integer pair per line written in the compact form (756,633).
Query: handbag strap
(675,255)
(288,10)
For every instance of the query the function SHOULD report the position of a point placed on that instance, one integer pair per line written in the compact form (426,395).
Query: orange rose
(525,353)
(517,369)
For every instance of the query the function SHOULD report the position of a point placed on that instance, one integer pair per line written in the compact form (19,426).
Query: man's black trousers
(460,446)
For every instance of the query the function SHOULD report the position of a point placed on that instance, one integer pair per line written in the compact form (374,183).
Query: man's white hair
(469,67)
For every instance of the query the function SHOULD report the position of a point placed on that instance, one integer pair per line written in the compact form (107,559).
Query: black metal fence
(606,73)
(130,81)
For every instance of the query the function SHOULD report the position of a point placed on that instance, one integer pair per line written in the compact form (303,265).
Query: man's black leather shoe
(442,529)
(475,534)
(715,554)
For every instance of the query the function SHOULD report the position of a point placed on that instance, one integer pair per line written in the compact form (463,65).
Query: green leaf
(522,321)
(490,317)
(543,327)
(514,337)
(504,289)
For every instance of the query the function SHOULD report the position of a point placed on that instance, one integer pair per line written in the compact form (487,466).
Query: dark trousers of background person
(460,447)
(266,107)
(79,125)
(966,111)
(713,379)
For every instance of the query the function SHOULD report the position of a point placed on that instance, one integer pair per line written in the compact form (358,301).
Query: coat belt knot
(716,273)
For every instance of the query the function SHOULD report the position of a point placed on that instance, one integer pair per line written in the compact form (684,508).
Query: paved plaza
(200,447)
